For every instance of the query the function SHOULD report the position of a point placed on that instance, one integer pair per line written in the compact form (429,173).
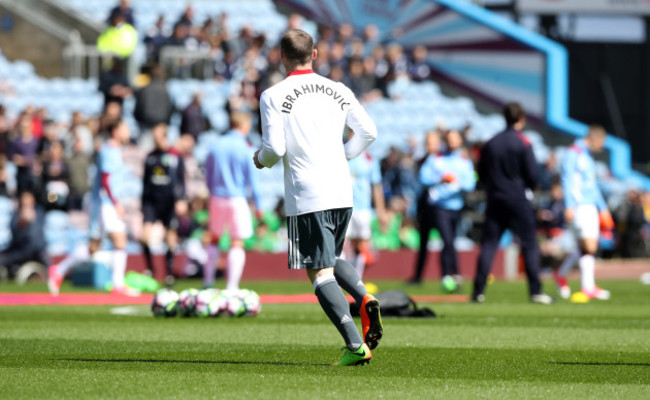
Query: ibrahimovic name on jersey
(313,89)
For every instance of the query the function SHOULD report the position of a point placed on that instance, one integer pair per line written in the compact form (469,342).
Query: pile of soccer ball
(206,303)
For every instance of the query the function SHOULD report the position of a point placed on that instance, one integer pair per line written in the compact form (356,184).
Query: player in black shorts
(303,119)
(163,189)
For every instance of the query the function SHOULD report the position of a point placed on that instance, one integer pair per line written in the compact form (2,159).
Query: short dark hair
(297,46)
(597,131)
(112,125)
(513,112)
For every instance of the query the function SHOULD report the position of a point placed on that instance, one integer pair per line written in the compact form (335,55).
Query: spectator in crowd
(631,219)
(54,179)
(361,83)
(77,165)
(645,230)
(79,132)
(24,153)
(295,21)
(181,37)
(186,17)
(397,61)
(193,120)
(155,38)
(399,179)
(382,69)
(370,38)
(37,117)
(5,128)
(51,134)
(125,9)
(553,239)
(549,172)
(119,39)
(4,189)
(224,67)
(153,106)
(114,84)
(27,237)
(419,69)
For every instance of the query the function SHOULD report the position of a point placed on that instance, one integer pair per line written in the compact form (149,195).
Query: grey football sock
(335,305)
(348,277)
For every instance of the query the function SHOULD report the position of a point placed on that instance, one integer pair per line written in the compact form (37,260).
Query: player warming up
(303,119)
(163,189)
(106,216)
(586,210)
(230,178)
(366,189)
(508,168)
(444,177)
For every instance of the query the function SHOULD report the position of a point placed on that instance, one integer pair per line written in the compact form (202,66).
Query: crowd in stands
(54,161)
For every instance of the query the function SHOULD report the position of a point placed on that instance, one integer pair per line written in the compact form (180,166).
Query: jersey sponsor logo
(311,88)
(159,176)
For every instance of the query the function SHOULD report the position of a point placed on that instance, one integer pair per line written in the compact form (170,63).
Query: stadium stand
(407,113)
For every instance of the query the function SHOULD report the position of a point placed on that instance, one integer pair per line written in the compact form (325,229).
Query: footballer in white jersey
(303,120)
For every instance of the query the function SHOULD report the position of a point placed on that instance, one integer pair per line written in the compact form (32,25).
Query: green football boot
(352,358)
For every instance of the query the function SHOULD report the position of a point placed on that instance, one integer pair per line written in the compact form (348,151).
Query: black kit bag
(396,303)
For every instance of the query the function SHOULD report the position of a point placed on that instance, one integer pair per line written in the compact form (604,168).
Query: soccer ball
(251,301)
(202,302)
(217,305)
(165,303)
(186,302)
(234,305)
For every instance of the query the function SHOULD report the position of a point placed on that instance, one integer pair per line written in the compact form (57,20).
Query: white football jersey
(303,120)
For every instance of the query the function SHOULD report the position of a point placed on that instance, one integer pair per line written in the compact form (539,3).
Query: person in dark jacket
(193,121)
(24,154)
(77,166)
(124,9)
(508,171)
(54,179)
(114,84)
(27,236)
(163,190)
(153,106)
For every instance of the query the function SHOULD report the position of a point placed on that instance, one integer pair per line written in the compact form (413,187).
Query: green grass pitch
(503,349)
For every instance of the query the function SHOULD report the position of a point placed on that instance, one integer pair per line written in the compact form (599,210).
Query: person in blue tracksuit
(230,179)
(508,169)
(444,178)
(586,211)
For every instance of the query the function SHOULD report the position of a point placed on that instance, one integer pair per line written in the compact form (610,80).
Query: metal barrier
(180,62)
(85,61)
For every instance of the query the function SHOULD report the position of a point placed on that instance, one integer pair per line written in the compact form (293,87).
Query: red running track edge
(79,299)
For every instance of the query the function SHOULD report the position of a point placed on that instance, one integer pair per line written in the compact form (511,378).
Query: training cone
(579,297)
(371,288)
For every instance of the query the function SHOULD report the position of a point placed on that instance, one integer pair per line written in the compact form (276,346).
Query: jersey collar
(301,72)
